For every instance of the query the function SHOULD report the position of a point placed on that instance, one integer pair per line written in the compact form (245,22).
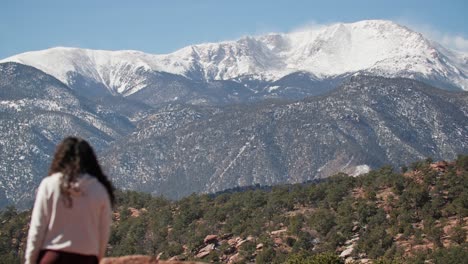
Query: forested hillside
(416,215)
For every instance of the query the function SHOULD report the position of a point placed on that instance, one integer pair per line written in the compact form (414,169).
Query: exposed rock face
(140,259)
(210,239)
(440,166)
(277,232)
(233,241)
(349,246)
(205,251)
(136,259)
(234,258)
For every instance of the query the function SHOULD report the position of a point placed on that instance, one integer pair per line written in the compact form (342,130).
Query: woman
(71,219)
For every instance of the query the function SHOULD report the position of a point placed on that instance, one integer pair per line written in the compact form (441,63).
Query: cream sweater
(83,228)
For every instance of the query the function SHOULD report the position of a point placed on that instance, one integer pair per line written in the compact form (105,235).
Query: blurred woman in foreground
(71,218)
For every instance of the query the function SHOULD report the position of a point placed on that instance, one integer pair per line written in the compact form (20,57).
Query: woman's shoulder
(90,182)
(51,180)
(49,185)
(55,177)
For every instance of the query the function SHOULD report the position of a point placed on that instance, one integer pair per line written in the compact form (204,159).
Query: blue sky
(165,26)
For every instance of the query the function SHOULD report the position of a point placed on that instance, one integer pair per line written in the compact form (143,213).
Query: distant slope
(36,112)
(366,122)
(150,141)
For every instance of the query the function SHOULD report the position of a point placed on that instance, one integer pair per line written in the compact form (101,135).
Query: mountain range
(377,47)
(262,110)
(367,122)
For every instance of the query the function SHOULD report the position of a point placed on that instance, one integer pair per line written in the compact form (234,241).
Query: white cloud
(453,41)
(311,25)
(456,42)
(450,40)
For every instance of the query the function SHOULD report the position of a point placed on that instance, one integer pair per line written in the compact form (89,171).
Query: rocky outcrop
(440,166)
(277,232)
(141,259)
(205,251)
(230,254)
(210,239)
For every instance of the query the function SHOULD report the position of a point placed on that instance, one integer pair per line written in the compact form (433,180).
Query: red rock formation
(440,166)
(140,259)
(210,239)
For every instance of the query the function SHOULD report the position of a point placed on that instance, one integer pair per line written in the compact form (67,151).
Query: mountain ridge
(377,47)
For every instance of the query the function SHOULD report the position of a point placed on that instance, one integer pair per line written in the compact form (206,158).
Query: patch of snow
(16,105)
(361,169)
(233,161)
(272,88)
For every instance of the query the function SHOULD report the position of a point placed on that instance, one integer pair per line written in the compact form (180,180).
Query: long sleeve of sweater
(39,222)
(104,226)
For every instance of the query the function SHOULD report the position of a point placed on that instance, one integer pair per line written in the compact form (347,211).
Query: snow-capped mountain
(196,119)
(376,47)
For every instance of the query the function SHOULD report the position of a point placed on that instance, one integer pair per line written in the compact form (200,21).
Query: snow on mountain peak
(342,48)
(101,66)
(376,46)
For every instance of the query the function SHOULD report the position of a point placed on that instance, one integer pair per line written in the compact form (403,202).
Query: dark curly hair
(74,156)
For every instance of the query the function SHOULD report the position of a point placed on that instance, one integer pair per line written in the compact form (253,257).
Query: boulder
(134,212)
(234,258)
(278,241)
(234,241)
(347,252)
(277,232)
(174,258)
(240,243)
(135,259)
(226,236)
(202,254)
(440,166)
(210,239)
(230,250)
(205,251)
